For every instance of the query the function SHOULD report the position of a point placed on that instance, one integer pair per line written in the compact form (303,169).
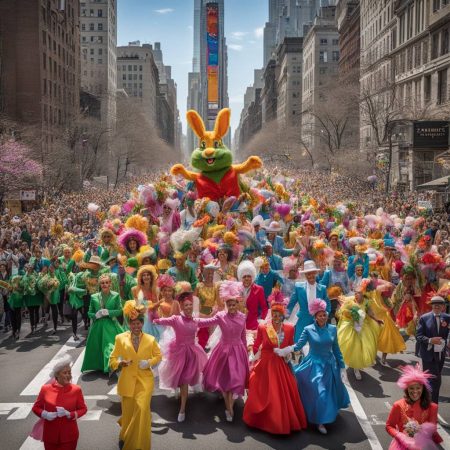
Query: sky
(171,23)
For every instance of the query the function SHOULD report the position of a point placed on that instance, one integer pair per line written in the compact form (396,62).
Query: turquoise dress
(318,376)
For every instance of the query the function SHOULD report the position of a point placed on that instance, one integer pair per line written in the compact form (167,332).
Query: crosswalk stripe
(76,368)
(43,376)
(32,444)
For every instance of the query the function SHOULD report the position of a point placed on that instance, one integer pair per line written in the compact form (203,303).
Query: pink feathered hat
(414,374)
(132,233)
(316,306)
(230,290)
(165,280)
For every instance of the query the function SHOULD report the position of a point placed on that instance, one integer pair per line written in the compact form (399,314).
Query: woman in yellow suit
(135,353)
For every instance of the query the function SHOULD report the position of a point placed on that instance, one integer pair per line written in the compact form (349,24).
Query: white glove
(98,314)
(284,351)
(61,412)
(143,364)
(343,375)
(48,415)
(105,312)
(251,357)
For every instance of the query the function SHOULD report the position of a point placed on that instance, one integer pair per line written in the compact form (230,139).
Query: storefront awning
(437,184)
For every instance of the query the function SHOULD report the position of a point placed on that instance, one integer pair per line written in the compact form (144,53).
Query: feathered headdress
(132,233)
(246,268)
(316,306)
(133,311)
(181,241)
(414,374)
(230,290)
(137,222)
(166,280)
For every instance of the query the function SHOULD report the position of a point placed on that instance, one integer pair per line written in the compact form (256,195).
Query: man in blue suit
(304,293)
(432,336)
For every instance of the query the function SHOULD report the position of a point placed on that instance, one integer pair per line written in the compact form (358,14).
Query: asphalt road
(23,370)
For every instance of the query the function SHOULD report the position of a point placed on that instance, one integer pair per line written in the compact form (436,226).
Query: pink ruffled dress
(227,369)
(183,360)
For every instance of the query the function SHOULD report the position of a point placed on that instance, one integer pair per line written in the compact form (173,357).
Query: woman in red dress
(413,419)
(273,402)
(60,403)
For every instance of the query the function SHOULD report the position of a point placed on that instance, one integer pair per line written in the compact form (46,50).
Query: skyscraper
(208,81)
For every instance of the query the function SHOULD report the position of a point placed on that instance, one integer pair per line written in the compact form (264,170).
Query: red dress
(60,433)
(401,413)
(273,402)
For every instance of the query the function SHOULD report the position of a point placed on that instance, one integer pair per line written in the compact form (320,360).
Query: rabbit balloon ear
(196,123)
(222,123)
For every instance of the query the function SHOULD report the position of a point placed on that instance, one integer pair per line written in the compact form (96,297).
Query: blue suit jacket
(299,296)
(427,329)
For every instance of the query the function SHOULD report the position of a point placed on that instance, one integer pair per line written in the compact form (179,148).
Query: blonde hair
(104,276)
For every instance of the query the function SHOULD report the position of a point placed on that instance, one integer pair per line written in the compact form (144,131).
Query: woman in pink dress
(227,368)
(185,359)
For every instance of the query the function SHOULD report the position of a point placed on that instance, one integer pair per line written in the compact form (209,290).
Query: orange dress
(273,403)
(401,413)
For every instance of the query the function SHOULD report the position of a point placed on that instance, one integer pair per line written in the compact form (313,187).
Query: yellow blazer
(124,350)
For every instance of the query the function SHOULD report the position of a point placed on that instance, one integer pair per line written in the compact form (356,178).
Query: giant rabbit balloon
(216,177)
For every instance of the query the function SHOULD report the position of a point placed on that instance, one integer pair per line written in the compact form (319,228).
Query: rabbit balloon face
(212,155)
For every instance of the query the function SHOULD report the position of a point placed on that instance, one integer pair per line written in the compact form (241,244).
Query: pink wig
(165,280)
(316,306)
(132,233)
(414,374)
(230,290)
(276,297)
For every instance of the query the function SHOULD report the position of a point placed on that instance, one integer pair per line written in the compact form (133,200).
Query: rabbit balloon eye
(216,144)
(203,144)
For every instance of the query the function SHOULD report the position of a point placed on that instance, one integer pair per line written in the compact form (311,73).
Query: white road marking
(76,368)
(93,414)
(113,391)
(43,376)
(388,406)
(21,412)
(362,419)
(32,444)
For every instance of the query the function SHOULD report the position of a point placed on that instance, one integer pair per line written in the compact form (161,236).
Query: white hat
(258,220)
(246,268)
(309,266)
(274,227)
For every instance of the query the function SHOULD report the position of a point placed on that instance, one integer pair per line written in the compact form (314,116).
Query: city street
(23,371)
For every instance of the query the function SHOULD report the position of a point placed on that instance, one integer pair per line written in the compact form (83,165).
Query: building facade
(138,75)
(44,36)
(289,82)
(320,65)
(98,24)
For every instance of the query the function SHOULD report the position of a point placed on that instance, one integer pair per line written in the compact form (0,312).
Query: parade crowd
(302,276)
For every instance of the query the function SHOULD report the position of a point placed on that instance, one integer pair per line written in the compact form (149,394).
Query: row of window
(57,70)
(134,67)
(84,13)
(131,77)
(92,39)
(324,41)
(439,4)
(92,27)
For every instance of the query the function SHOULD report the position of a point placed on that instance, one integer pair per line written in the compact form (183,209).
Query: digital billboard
(212,46)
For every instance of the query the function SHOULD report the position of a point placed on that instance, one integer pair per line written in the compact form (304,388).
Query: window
(140,68)
(434,46)
(140,76)
(83,27)
(130,67)
(91,26)
(100,27)
(91,12)
(124,77)
(124,68)
(91,51)
(100,51)
(100,39)
(322,70)
(335,41)
(130,77)
(323,41)
(83,39)
(323,56)
(442,87)
(99,12)
(436,5)
(134,77)
(135,68)
(444,42)
(100,61)
(335,55)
